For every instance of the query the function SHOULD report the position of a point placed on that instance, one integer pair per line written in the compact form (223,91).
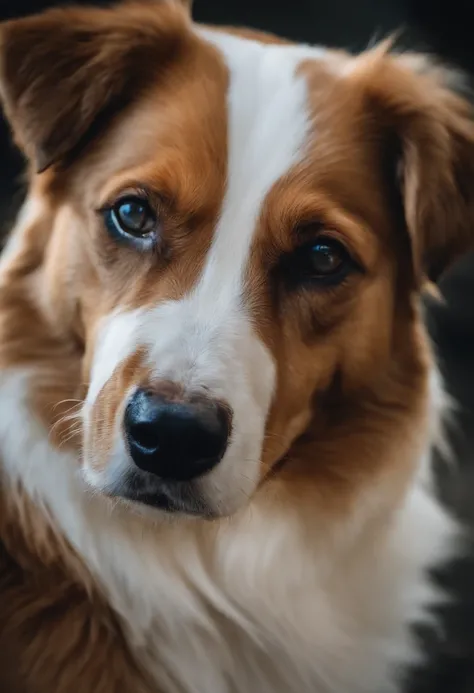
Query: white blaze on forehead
(267,128)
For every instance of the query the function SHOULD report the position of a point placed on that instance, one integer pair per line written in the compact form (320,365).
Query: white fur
(259,606)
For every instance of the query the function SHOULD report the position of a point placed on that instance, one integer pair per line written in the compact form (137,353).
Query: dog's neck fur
(263,601)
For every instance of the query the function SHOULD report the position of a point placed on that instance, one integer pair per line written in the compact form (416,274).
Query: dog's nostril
(176,439)
(144,436)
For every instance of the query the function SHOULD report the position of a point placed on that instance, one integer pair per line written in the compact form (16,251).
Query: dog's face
(233,232)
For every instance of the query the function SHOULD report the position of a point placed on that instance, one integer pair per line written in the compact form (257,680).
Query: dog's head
(230,234)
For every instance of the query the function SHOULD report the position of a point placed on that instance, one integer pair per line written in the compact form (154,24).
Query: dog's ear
(430,127)
(65,71)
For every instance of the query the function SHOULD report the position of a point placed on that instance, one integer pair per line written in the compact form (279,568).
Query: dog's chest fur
(260,602)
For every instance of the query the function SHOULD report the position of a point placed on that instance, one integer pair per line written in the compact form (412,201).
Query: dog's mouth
(177,497)
(174,497)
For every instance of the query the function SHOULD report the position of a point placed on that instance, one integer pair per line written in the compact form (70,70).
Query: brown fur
(352,362)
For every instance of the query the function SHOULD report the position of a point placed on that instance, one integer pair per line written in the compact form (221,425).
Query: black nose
(176,440)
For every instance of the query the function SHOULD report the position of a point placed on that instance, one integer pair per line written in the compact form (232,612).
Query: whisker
(76,403)
(64,419)
(65,440)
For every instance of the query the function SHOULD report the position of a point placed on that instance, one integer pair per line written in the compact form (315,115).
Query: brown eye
(320,263)
(327,257)
(132,220)
(134,216)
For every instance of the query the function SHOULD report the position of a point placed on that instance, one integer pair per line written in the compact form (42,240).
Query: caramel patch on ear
(65,72)
(413,102)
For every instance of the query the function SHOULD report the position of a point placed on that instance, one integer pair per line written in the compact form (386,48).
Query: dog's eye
(131,218)
(326,258)
(325,261)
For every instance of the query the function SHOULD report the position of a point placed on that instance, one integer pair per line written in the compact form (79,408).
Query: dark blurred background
(444,27)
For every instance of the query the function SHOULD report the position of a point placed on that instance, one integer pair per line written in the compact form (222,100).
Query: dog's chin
(147,494)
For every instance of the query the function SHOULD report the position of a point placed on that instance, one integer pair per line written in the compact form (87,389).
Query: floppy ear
(417,106)
(64,72)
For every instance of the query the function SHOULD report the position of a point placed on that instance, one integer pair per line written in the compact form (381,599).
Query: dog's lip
(177,498)
(158,500)
(166,503)
(144,489)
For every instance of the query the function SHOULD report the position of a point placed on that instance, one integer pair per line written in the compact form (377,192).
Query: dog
(216,453)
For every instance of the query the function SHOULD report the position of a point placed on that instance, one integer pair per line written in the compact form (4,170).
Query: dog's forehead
(279,101)
(269,114)
(294,117)
(268,105)
(268,121)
